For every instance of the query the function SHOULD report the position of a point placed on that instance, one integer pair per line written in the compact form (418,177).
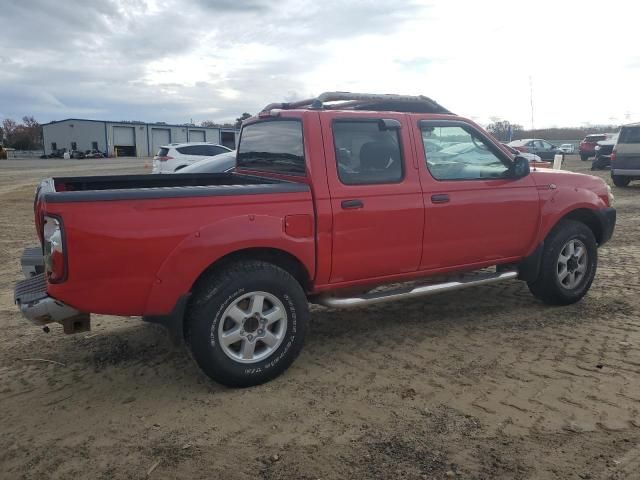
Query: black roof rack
(382,102)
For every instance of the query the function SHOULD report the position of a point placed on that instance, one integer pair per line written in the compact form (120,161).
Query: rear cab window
(272,146)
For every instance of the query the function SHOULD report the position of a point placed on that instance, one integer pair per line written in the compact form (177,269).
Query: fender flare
(202,248)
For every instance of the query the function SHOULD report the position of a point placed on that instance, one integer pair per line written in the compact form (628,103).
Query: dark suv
(625,159)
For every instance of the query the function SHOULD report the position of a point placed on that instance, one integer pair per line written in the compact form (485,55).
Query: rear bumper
(30,295)
(626,172)
(607,219)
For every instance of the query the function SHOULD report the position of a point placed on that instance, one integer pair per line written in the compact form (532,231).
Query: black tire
(548,287)
(219,291)
(620,181)
(584,158)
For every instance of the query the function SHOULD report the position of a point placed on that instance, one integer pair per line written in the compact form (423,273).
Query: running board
(413,292)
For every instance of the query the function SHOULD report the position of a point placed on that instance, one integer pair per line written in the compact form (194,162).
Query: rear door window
(367,154)
(274,146)
(629,135)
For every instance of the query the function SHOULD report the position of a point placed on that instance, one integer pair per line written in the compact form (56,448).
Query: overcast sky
(177,60)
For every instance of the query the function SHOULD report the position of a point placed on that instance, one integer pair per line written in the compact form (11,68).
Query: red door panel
(474,221)
(377,228)
(483,221)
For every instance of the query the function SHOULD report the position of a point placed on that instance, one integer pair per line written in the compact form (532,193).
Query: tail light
(55,262)
(165,158)
(613,155)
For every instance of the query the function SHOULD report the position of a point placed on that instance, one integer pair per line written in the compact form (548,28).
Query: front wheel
(247,323)
(568,266)
(620,181)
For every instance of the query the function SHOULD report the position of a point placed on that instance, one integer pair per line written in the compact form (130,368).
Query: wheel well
(282,259)
(586,216)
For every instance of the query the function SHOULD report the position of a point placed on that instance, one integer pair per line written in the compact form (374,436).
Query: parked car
(225,162)
(93,154)
(77,154)
(587,147)
(175,156)
(542,148)
(534,160)
(625,158)
(58,153)
(324,206)
(603,149)
(567,148)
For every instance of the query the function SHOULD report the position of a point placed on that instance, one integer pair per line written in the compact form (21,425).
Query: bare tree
(503,130)
(9,128)
(32,130)
(240,119)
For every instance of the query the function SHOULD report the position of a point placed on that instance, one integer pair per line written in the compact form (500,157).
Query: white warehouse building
(131,139)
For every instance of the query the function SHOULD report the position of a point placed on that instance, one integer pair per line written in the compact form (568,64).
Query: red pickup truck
(332,198)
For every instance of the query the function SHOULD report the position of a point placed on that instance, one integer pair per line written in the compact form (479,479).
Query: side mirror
(520,167)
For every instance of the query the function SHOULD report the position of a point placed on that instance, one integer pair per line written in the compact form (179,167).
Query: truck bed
(124,187)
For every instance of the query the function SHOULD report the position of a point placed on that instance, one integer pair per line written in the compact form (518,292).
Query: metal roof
(125,122)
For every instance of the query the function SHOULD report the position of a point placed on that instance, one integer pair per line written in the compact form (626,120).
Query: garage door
(124,136)
(196,135)
(159,137)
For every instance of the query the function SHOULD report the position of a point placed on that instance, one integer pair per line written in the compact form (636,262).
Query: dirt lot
(486,383)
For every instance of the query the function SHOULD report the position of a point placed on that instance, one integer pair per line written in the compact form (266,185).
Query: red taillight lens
(613,155)
(165,158)
(54,249)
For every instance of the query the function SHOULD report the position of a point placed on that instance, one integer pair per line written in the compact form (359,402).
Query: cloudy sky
(177,60)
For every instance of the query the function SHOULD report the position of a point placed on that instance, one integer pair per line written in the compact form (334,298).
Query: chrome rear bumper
(39,308)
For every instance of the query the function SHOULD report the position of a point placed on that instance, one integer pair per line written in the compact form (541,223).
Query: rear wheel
(620,181)
(569,264)
(247,323)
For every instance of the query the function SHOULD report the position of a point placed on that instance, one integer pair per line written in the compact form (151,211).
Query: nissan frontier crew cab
(332,198)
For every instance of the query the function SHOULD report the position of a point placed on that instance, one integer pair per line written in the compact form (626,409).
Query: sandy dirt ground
(485,383)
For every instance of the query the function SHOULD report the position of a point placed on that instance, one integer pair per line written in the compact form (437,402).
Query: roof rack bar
(354,99)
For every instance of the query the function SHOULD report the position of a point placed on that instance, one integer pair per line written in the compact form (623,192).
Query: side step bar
(412,292)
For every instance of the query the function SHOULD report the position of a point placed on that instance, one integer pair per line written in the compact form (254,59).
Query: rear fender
(202,248)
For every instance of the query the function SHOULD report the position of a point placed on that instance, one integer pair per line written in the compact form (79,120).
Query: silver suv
(625,158)
(175,156)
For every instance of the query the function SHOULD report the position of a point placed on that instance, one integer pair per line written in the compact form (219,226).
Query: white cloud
(174,60)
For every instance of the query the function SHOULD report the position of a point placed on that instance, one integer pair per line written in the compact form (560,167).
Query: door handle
(440,198)
(352,204)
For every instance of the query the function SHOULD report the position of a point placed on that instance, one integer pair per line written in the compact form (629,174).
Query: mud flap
(529,267)
(174,321)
